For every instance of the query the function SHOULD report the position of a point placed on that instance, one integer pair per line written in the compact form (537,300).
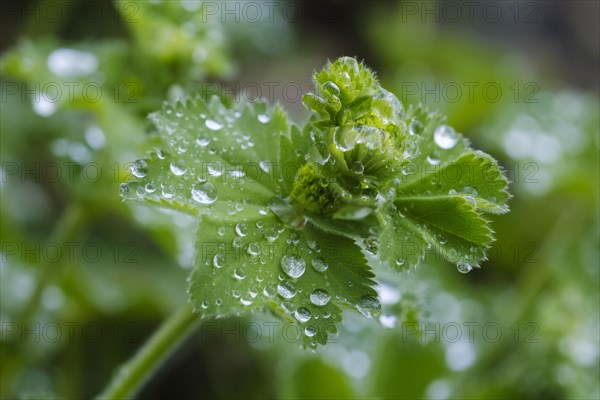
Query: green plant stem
(137,371)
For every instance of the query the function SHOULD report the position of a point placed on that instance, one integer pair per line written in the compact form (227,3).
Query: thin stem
(138,370)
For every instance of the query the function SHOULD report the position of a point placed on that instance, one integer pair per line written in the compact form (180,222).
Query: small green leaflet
(284,214)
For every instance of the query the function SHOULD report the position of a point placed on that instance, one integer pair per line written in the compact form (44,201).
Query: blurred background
(86,278)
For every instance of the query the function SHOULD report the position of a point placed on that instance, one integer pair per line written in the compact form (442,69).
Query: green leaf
(212,159)
(304,276)
(450,225)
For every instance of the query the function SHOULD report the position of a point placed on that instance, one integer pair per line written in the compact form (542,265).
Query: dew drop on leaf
(124,188)
(218,261)
(445,137)
(213,125)
(271,234)
(168,191)
(139,168)
(150,188)
(286,290)
(263,118)
(310,331)
(463,267)
(302,314)
(178,167)
(204,193)
(239,273)
(241,229)
(254,249)
(202,141)
(369,306)
(358,167)
(331,88)
(245,301)
(319,153)
(319,265)
(293,266)
(319,297)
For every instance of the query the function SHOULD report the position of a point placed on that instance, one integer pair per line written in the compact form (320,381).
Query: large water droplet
(319,297)
(213,125)
(445,136)
(204,193)
(302,314)
(369,306)
(139,168)
(293,266)
(178,167)
(319,153)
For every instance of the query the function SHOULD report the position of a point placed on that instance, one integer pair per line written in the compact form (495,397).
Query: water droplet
(415,127)
(271,234)
(302,314)
(369,306)
(245,301)
(293,266)
(319,297)
(452,192)
(358,167)
(254,249)
(265,166)
(432,160)
(139,168)
(168,191)
(202,141)
(213,125)
(310,331)
(463,267)
(331,88)
(400,262)
(470,190)
(319,153)
(221,231)
(345,138)
(124,188)
(178,167)
(150,188)
(205,304)
(241,229)
(445,137)
(215,169)
(204,193)
(319,265)
(218,261)
(263,118)
(286,290)
(239,273)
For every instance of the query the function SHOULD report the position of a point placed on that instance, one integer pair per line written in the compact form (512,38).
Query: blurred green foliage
(540,286)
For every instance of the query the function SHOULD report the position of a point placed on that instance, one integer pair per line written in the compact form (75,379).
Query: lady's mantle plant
(285,215)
